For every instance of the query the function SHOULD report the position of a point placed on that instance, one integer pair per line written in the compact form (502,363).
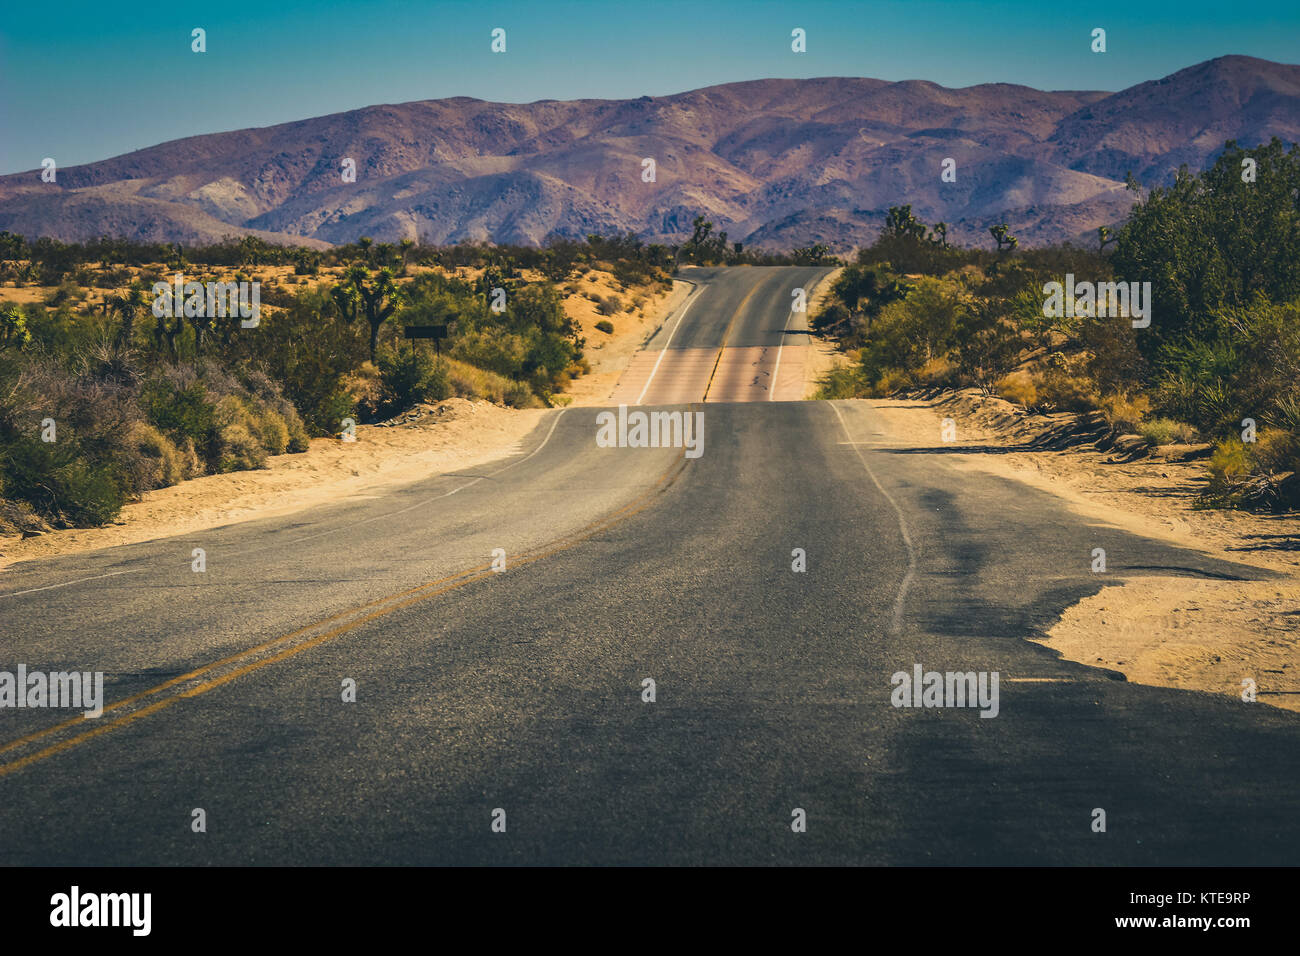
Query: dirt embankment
(1171,631)
(824,355)
(609,353)
(428,440)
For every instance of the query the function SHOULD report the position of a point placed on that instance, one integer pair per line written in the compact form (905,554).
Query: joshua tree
(377,295)
(940,235)
(1105,238)
(127,307)
(999,233)
(407,245)
(365,243)
(166,330)
(901,224)
(13,328)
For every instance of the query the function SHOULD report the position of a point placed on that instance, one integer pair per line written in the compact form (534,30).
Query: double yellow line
(726,333)
(383,607)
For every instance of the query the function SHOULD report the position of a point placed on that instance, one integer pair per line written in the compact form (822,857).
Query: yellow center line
(623,514)
(36,735)
(726,334)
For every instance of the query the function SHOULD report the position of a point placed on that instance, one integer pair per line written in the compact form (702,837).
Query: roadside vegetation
(101,400)
(1219,363)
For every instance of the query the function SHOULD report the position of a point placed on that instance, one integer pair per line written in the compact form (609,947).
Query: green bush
(519,395)
(411,375)
(606,326)
(238,450)
(181,411)
(1166,431)
(843,382)
(158,462)
(60,484)
(1274,451)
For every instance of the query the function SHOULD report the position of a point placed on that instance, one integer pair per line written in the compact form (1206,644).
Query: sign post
(435,332)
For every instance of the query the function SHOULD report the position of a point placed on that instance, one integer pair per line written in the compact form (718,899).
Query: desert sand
(428,440)
(1169,631)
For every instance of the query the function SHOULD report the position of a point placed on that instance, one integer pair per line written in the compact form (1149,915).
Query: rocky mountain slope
(775,163)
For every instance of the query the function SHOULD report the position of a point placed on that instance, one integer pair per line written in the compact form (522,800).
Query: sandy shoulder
(429,440)
(610,354)
(1178,632)
(824,354)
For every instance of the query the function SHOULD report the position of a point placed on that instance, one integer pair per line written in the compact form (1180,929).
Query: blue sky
(85,81)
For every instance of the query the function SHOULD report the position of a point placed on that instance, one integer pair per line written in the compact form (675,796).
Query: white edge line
(554,423)
(771,394)
(663,351)
(902,526)
(776,369)
(51,587)
(425,501)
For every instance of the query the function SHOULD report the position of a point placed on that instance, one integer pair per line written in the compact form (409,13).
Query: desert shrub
(18,516)
(937,372)
(843,382)
(606,326)
(92,468)
(469,381)
(519,395)
(333,409)
(609,305)
(271,430)
(1062,390)
(232,410)
(364,388)
(1273,451)
(1228,465)
(275,412)
(66,292)
(310,352)
(58,481)
(1113,359)
(197,406)
(908,332)
(891,380)
(1124,412)
(410,375)
(114,277)
(236,449)
(182,411)
(1018,387)
(1166,431)
(400,374)
(493,348)
(156,461)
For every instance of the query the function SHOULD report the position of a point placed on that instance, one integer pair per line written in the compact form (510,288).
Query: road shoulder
(428,440)
(1171,631)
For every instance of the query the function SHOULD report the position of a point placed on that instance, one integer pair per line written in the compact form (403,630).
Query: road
(738,338)
(522,690)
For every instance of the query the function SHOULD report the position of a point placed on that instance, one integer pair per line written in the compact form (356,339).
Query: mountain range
(775,163)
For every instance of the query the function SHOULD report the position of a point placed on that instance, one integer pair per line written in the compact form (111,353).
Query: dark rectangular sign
(426,331)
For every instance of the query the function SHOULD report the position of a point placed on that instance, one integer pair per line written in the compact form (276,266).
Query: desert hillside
(776,163)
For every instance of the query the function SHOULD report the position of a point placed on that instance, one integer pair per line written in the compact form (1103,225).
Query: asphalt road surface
(742,336)
(521,691)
